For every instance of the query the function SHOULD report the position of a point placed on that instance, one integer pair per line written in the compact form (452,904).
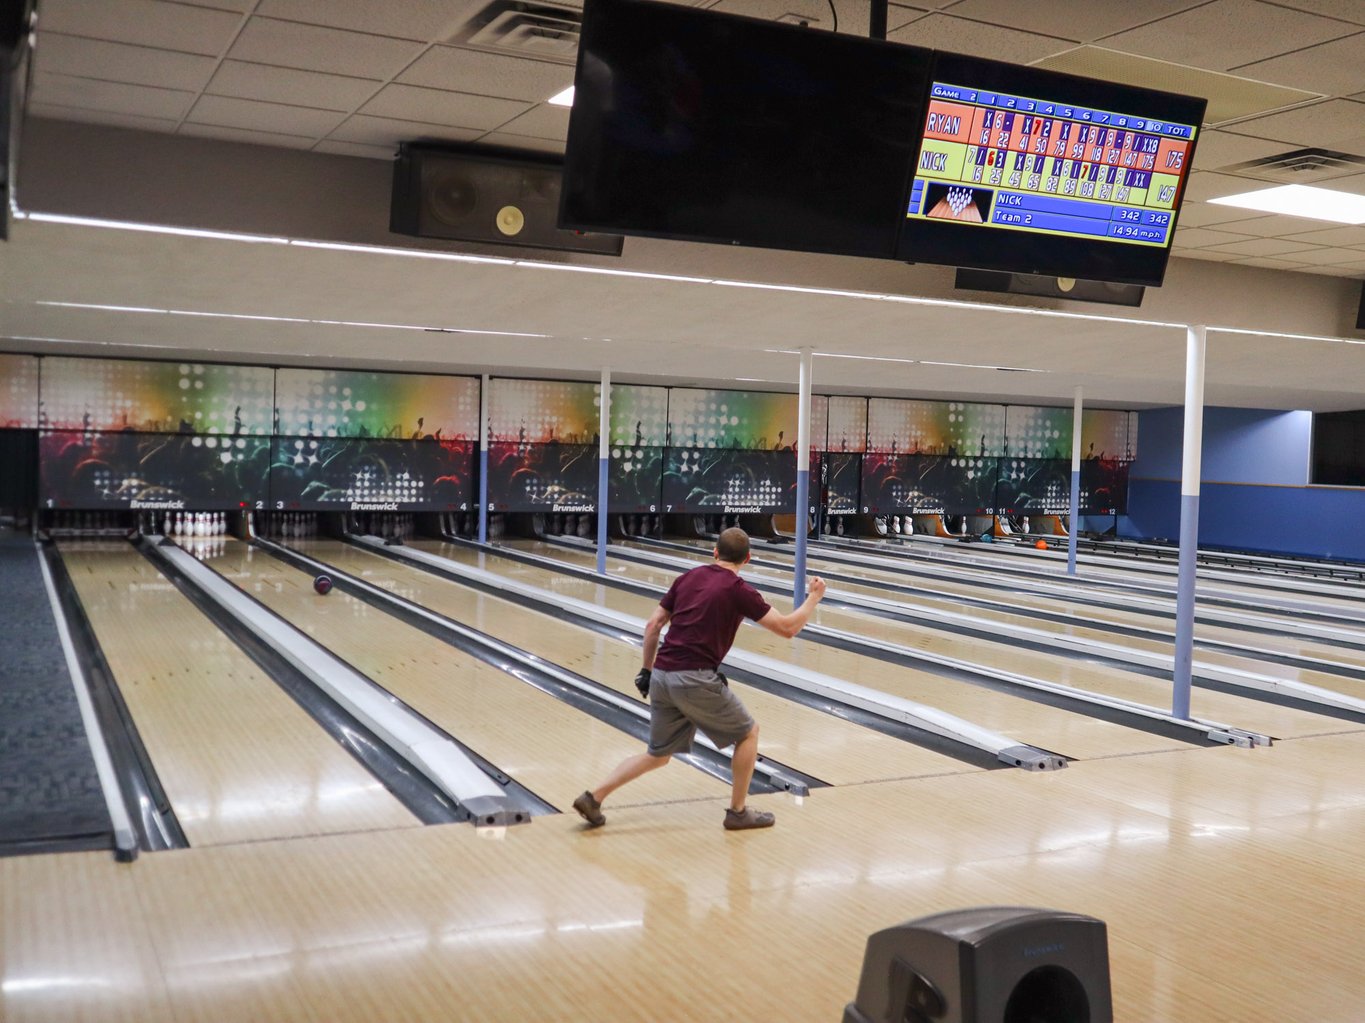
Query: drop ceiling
(355,77)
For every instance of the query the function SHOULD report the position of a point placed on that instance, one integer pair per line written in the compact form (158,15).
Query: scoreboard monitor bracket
(1028,171)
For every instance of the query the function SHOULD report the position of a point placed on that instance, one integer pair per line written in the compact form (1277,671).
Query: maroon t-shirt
(707,605)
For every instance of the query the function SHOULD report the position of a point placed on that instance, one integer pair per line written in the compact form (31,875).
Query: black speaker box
(1070,288)
(993,964)
(1360,310)
(478,195)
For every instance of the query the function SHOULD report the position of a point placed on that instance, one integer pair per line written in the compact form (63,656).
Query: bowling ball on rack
(1041,545)
(323,585)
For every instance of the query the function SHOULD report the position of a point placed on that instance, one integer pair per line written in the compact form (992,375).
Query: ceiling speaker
(1049,287)
(485,195)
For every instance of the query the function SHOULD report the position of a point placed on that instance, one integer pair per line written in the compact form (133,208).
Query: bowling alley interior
(369,372)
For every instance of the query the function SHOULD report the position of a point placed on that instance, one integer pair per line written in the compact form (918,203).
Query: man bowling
(703,610)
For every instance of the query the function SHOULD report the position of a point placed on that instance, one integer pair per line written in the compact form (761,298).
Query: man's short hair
(733,546)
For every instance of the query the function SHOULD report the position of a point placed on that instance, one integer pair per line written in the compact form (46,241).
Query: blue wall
(1253,493)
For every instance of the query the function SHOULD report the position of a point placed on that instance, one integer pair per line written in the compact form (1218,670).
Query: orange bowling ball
(1041,545)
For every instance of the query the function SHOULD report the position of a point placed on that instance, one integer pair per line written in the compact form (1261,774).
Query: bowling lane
(553,749)
(1052,728)
(239,760)
(1242,711)
(940,590)
(1284,596)
(819,744)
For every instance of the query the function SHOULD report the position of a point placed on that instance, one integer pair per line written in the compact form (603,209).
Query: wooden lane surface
(1277,610)
(1304,646)
(1216,872)
(819,744)
(1053,728)
(238,758)
(548,746)
(1243,711)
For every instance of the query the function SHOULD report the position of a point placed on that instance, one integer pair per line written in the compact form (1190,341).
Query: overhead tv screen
(1030,171)
(711,127)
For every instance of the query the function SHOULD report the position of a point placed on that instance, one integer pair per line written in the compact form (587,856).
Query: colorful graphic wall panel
(1038,431)
(635,481)
(1104,434)
(1034,486)
(85,469)
(639,416)
(371,474)
(819,423)
(543,411)
(842,482)
(897,426)
(729,480)
(157,397)
(18,392)
(1104,486)
(742,420)
(395,406)
(928,484)
(542,477)
(847,424)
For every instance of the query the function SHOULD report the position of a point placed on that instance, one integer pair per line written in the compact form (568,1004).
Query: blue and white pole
(1075,516)
(802,476)
(1189,520)
(485,437)
(603,463)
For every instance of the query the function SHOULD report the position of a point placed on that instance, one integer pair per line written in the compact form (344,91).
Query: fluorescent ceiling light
(562,99)
(1301,201)
(125,225)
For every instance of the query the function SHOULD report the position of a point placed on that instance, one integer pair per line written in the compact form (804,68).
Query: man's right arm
(653,628)
(788,625)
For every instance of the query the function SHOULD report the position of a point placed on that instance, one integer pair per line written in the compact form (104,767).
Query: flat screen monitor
(1031,171)
(710,127)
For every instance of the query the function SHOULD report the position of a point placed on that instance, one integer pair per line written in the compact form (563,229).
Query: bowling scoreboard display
(1029,171)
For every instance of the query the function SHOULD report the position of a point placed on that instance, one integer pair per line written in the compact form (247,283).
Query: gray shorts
(680,702)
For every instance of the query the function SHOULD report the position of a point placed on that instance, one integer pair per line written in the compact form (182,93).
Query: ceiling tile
(502,138)
(355,149)
(1332,68)
(113,97)
(290,85)
(544,122)
(256,138)
(1329,256)
(410,103)
(60,113)
(286,44)
(1228,33)
(1275,226)
(1328,122)
(1199,237)
(1200,214)
(1209,255)
(120,62)
(1332,236)
(167,26)
(254,115)
(1347,10)
(1353,183)
(1262,247)
(1205,185)
(1269,263)
(1080,22)
(944,32)
(423,20)
(387,131)
(1217,149)
(488,74)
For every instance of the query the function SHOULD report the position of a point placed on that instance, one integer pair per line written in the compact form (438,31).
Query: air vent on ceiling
(1300,166)
(525,28)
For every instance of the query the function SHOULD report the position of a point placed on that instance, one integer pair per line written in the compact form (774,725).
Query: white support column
(603,467)
(485,435)
(802,475)
(1189,519)
(1075,484)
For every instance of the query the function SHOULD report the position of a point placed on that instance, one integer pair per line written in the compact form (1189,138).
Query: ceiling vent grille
(1300,166)
(525,28)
